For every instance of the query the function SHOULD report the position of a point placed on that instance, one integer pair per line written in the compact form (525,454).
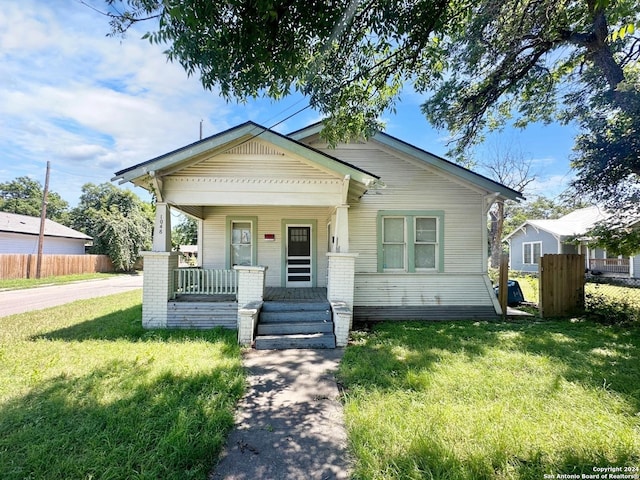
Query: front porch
(313,317)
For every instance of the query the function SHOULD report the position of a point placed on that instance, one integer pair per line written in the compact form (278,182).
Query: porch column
(157,287)
(250,298)
(162,228)
(342,229)
(340,292)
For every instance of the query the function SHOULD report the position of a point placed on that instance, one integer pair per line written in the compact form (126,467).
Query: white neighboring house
(566,234)
(19,234)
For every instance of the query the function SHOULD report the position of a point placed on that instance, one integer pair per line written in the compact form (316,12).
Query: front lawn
(464,400)
(86,393)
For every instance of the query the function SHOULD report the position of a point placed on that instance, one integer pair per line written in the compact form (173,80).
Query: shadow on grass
(392,357)
(588,353)
(122,421)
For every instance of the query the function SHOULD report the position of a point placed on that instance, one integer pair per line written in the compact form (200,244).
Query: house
(567,234)
(380,229)
(20,234)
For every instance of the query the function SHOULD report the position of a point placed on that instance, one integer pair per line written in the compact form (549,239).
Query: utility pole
(43,217)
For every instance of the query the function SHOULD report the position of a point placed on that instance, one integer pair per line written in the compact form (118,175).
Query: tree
(483,63)
(507,166)
(23,195)
(119,222)
(538,208)
(185,233)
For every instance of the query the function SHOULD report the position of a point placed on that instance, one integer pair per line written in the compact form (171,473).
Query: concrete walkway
(290,423)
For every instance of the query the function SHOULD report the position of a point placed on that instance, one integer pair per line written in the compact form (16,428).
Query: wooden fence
(561,284)
(24,265)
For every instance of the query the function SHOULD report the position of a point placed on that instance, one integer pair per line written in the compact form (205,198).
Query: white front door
(299,262)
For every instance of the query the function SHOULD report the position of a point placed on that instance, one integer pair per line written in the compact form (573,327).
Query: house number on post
(160,224)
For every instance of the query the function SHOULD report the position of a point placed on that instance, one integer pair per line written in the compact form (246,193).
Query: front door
(299,262)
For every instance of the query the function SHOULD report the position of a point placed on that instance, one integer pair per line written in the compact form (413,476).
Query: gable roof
(26,225)
(428,158)
(236,136)
(572,224)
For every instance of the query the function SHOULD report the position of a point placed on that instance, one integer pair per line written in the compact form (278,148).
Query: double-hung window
(531,252)
(241,235)
(410,241)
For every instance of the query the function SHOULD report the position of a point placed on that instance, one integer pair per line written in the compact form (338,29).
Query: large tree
(482,63)
(119,222)
(23,195)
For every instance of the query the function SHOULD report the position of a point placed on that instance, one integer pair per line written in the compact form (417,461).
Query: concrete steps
(287,325)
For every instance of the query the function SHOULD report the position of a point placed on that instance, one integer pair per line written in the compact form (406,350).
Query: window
(241,241)
(531,252)
(410,241)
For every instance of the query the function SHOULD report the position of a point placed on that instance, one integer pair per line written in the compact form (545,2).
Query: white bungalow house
(567,234)
(376,230)
(20,234)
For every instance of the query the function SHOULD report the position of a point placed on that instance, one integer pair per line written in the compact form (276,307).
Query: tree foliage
(119,222)
(538,208)
(23,195)
(185,233)
(482,63)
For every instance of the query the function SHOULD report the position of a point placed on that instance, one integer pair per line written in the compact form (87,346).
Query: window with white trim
(531,252)
(410,241)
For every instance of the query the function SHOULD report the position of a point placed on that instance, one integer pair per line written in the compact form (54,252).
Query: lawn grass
(86,393)
(465,400)
(21,283)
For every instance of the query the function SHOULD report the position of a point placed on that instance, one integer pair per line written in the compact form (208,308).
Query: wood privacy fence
(24,265)
(561,284)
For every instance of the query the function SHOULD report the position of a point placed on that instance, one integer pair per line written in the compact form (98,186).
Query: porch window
(410,241)
(531,252)
(241,234)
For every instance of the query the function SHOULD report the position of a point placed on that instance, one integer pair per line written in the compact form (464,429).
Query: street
(19,301)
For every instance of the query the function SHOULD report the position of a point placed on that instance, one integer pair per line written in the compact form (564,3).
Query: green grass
(21,283)
(463,400)
(86,393)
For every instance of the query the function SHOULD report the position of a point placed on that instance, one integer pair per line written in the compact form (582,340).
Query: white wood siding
(20,243)
(269,253)
(413,186)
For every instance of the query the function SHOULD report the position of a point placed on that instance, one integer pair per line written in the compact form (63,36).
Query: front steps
(304,324)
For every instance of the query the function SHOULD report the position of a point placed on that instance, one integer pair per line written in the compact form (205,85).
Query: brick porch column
(157,287)
(340,292)
(250,298)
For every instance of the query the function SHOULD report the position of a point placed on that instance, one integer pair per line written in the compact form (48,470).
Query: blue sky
(92,105)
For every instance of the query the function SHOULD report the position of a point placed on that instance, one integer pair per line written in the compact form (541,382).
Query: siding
(415,186)
(269,253)
(20,243)
(549,246)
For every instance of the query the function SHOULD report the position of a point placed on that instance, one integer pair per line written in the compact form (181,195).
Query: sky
(92,105)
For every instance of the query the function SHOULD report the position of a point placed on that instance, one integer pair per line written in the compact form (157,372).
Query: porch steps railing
(204,281)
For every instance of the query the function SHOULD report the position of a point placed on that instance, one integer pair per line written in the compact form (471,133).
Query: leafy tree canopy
(482,63)
(23,195)
(538,208)
(185,233)
(119,222)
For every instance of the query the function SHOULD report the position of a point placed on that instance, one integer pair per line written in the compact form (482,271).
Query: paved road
(19,301)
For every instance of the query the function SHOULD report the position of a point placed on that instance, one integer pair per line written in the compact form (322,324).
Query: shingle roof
(14,223)
(572,224)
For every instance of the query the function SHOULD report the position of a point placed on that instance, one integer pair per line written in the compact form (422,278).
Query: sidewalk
(290,424)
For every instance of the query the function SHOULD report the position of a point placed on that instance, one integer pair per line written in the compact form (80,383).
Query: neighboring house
(566,234)
(385,229)
(20,234)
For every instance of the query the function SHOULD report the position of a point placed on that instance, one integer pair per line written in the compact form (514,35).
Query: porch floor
(280,294)
(271,294)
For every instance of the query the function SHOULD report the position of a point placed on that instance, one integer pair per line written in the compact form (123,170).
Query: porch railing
(610,265)
(201,281)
